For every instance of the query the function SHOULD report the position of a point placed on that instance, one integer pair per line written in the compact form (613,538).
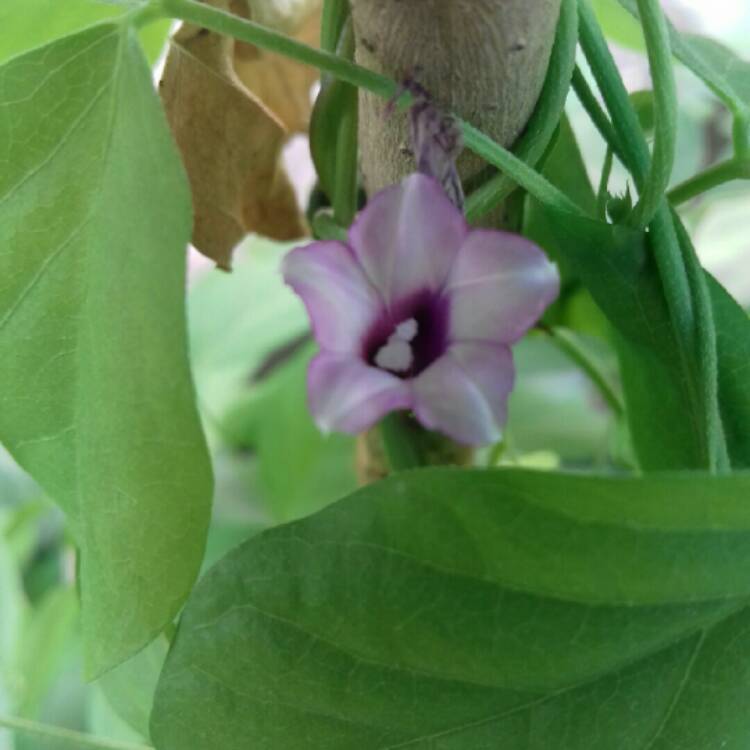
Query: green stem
(567,343)
(603,192)
(629,136)
(400,442)
(76,739)
(741,136)
(344,196)
(247,31)
(335,13)
(656,33)
(638,160)
(543,124)
(726,171)
(527,177)
(497,451)
(253,33)
(597,114)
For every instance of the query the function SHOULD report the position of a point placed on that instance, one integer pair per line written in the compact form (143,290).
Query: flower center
(410,336)
(397,355)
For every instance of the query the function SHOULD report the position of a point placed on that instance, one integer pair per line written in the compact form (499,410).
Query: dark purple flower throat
(407,338)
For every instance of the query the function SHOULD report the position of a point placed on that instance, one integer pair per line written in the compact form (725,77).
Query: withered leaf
(231,108)
(280,83)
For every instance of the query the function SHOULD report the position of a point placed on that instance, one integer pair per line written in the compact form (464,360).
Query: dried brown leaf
(231,131)
(280,83)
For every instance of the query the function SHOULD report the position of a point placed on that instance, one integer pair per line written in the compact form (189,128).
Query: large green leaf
(31,23)
(477,609)
(96,400)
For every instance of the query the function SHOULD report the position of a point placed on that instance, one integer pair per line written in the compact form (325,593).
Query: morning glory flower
(418,312)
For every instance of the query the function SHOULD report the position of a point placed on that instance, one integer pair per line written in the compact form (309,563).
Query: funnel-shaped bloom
(418,312)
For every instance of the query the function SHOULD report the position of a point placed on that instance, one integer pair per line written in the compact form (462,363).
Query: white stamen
(407,330)
(397,355)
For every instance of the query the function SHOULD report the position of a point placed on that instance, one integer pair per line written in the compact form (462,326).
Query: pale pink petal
(500,285)
(464,394)
(340,300)
(407,237)
(347,395)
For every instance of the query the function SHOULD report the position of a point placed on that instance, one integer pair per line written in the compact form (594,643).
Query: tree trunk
(485,60)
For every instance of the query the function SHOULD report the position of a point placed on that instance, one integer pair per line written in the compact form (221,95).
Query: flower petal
(499,287)
(464,394)
(340,300)
(407,237)
(346,395)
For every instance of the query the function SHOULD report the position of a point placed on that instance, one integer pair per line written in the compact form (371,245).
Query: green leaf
(617,269)
(615,265)
(96,400)
(334,16)
(31,23)
(16,486)
(106,725)
(335,108)
(477,609)
(129,688)
(153,38)
(335,117)
(733,345)
(726,74)
(644,106)
(618,25)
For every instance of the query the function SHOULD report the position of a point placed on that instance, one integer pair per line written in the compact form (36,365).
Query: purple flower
(418,313)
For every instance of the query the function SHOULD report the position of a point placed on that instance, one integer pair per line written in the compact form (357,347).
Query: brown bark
(485,60)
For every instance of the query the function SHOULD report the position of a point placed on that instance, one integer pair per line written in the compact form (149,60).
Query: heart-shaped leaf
(96,399)
(449,609)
